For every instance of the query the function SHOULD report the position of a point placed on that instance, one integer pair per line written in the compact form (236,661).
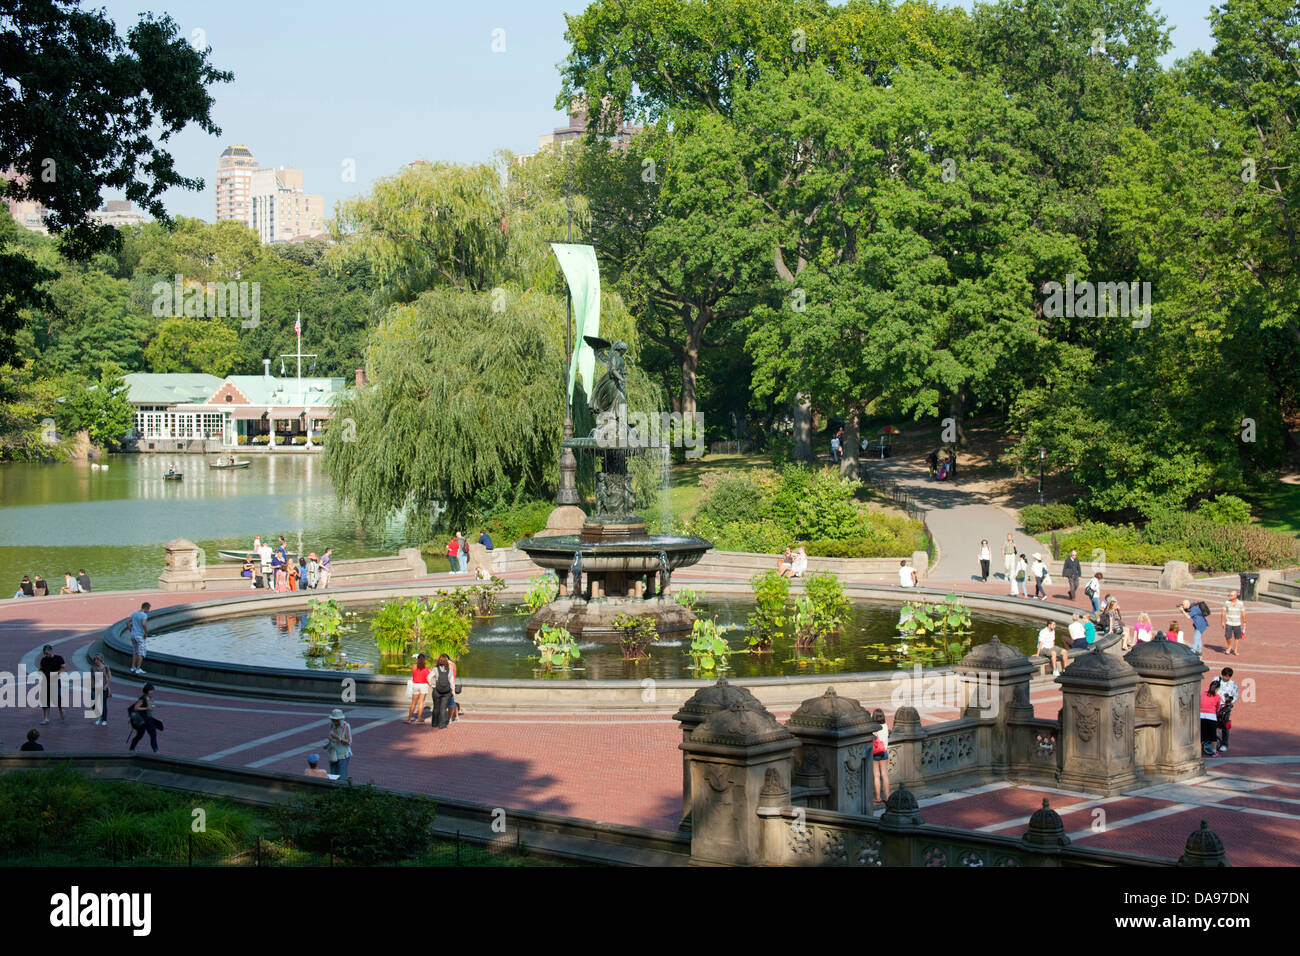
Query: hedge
(1036,519)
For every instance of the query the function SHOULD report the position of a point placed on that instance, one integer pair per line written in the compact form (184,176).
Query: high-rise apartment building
(234,174)
(278,209)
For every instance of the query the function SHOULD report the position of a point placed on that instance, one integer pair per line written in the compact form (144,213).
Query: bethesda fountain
(612,566)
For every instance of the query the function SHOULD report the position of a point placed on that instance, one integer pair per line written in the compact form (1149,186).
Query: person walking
(986,556)
(1039,570)
(1093,590)
(1022,576)
(1072,571)
(880,755)
(453,550)
(142,719)
(302,574)
(326,567)
(1227,697)
(51,666)
(139,634)
(1197,612)
(1009,555)
(101,677)
(339,744)
(444,686)
(419,690)
(1234,623)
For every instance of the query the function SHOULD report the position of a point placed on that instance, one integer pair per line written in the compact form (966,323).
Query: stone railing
(1124,722)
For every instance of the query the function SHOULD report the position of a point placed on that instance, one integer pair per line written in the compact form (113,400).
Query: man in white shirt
(1234,622)
(906,575)
(264,556)
(1047,648)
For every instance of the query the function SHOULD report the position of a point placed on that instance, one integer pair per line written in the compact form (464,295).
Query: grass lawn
(1279,507)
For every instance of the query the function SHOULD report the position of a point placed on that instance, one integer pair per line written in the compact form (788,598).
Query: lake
(115,522)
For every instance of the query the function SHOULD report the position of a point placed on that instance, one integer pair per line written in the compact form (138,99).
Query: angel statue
(611,389)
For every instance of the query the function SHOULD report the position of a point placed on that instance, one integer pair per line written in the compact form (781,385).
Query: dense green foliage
(1177,536)
(766,513)
(361,825)
(1036,519)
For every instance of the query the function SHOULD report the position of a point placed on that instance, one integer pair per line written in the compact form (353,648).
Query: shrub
(816,504)
(1036,519)
(767,620)
(636,634)
(732,497)
(762,537)
(1224,509)
(556,647)
(829,606)
(541,592)
(362,825)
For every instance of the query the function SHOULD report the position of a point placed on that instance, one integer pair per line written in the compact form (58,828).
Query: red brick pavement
(626,768)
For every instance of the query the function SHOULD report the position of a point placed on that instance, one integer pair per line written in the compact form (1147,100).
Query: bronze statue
(611,389)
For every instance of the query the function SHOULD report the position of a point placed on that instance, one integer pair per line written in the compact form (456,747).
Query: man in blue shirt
(139,634)
(485,539)
(1200,625)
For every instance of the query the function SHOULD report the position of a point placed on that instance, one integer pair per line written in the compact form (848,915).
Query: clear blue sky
(390,81)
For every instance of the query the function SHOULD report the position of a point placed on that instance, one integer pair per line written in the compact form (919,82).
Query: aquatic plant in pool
(323,631)
(557,648)
(936,634)
(432,627)
(636,633)
(767,620)
(709,649)
(541,592)
(485,595)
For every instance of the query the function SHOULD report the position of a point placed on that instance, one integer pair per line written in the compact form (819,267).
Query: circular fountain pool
(499,649)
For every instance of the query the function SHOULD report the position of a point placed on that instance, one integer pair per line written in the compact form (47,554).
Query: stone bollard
(1170,691)
(994,679)
(1175,577)
(921,561)
(1204,848)
(1045,837)
(415,560)
(1097,739)
(706,701)
(897,827)
(905,739)
(839,731)
(738,759)
(183,567)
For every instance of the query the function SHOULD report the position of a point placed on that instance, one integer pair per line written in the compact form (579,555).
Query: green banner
(583,275)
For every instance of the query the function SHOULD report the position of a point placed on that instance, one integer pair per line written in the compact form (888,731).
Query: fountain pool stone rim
(292,685)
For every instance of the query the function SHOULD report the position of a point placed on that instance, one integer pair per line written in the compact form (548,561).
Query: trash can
(1248,579)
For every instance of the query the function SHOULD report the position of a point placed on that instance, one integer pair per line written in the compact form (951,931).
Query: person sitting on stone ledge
(799,564)
(1047,648)
(785,562)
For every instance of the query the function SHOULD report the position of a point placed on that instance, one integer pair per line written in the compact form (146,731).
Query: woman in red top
(453,554)
(1210,719)
(419,689)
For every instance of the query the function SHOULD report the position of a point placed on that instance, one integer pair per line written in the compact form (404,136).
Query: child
(1173,632)
(1227,697)
(880,756)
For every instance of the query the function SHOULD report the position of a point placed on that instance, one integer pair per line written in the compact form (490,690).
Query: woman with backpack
(142,720)
(880,756)
(443,680)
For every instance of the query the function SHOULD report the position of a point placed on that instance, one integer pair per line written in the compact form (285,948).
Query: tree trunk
(957,412)
(849,455)
(803,450)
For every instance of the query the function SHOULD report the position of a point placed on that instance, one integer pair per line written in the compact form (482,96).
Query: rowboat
(225,554)
(242,463)
(176,477)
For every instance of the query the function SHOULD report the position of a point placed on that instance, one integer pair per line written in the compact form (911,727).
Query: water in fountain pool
(499,649)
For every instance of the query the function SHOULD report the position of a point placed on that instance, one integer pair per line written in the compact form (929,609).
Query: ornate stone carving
(970,858)
(853,761)
(800,838)
(1085,722)
(935,856)
(1119,720)
(834,846)
(718,777)
(1144,698)
(869,852)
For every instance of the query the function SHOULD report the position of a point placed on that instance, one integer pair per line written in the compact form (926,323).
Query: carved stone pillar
(706,701)
(840,732)
(183,567)
(905,739)
(735,755)
(1170,692)
(1097,740)
(995,686)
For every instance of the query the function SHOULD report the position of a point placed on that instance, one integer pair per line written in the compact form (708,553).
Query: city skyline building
(235,169)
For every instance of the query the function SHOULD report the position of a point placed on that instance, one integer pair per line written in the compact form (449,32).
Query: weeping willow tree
(465,390)
(467,366)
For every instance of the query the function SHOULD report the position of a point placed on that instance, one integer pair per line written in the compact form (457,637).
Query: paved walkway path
(626,768)
(958,519)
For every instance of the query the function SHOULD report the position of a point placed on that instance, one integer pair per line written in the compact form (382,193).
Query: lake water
(499,648)
(115,522)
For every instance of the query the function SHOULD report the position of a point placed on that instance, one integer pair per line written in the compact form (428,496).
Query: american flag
(297,325)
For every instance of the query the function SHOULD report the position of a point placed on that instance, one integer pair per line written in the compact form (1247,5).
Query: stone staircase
(1282,590)
(189,574)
